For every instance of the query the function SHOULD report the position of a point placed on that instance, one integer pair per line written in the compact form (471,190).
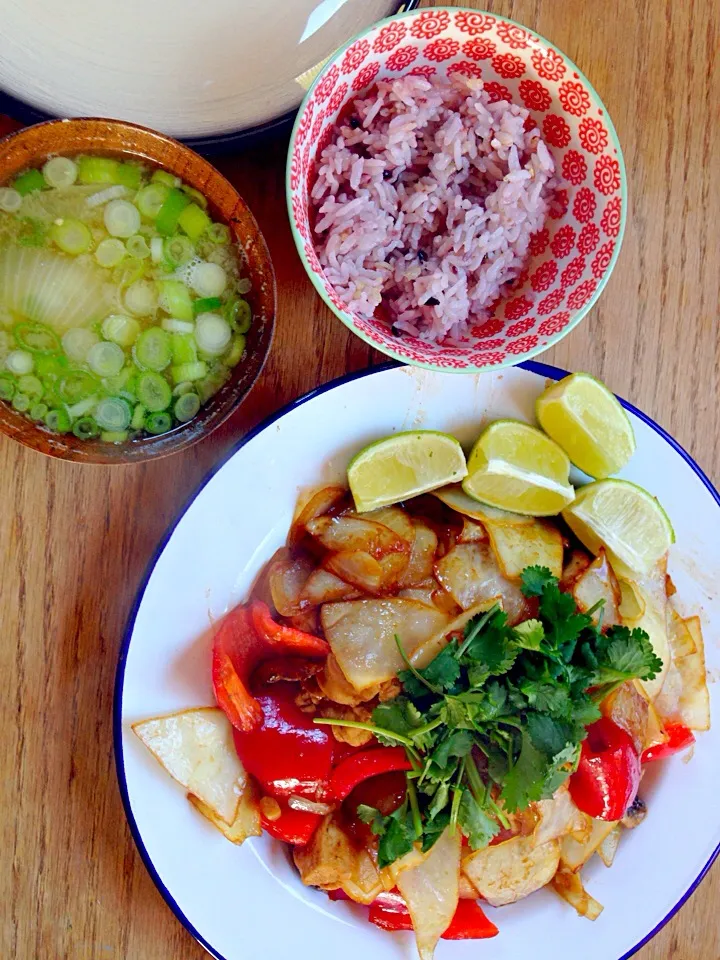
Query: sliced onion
(431,891)
(122,219)
(508,871)
(310,806)
(47,287)
(470,573)
(121,329)
(317,504)
(422,556)
(322,586)
(353,533)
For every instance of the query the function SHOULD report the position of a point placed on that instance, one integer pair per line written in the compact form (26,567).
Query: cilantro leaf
(439,800)
(627,654)
(441,673)
(477,826)
(525,779)
(548,696)
(398,837)
(494,651)
(562,765)
(454,747)
(534,579)
(371,816)
(549,735)
(529,635)
(434,830)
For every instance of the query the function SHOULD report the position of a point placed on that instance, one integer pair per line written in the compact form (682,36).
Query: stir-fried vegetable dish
(440,705)
(122,306)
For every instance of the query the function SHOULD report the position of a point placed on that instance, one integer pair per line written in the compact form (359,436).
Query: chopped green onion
(86,429)
(97,170)
(7,388)
(150,200)
(218,233)
(212,333)
(21,402)
(167,179)
(173,325)
(58,421)
(105,196)
(49,367)
(30,385)
(166,221)
(205,304)
(137,246)
(154,392)
(77,385)
(130,175)
(189,371)
(114,436)
(153,350)
(141,297)
(208,279)
(129,273)
(10,200)
(209,386)
(4,344)
(106,359)
(138,417)
(157,423)
(112,414)
(38,411)
(184,348)
(82,407)
(29,182)
(60,172)
(122,384)
(37,338)
(121,329)
(243,318)
(156,249)
(181,388)
(19,362)
(235,352)
(194,221)
(186,407)
(77,342)
(175,299)
(72,236)
(178,251)
(110,252)
(195,195)
(122,218)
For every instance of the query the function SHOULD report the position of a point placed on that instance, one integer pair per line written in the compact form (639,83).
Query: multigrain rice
(425,201)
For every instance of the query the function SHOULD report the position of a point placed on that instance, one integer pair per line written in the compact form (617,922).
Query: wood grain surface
(75,540)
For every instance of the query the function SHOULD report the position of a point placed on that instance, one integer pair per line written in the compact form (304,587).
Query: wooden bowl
(29,148)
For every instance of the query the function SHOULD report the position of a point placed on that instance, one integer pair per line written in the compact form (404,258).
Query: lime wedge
(588,422)
(514,466)
(404,466)
(623,518)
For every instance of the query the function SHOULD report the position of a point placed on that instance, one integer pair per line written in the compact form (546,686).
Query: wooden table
(75,540)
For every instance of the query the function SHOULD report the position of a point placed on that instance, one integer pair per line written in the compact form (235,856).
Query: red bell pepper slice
(470,923)
(361,766)
(679,737)
(292,826)
(608,774)
(245,637)
(287,753)
(389,912)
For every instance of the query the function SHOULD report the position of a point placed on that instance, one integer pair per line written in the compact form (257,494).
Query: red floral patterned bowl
(570,259)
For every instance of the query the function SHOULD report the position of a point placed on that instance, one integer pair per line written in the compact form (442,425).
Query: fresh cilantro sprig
(495,721)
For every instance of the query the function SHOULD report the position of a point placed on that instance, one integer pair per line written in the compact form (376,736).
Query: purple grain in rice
(427,205)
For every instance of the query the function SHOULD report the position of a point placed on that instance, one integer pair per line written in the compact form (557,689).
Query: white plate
(189,69)
(247,903)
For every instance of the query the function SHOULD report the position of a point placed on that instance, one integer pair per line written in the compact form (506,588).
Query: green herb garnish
(496,720)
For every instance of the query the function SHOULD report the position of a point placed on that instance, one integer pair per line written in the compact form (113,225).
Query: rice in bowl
(425,202)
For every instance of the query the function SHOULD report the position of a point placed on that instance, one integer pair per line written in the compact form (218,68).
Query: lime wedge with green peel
(588,422)
(623,518)
(514,466)
(403,466)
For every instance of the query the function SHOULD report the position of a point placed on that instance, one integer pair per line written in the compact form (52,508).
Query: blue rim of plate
(542,369)
(207,145)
